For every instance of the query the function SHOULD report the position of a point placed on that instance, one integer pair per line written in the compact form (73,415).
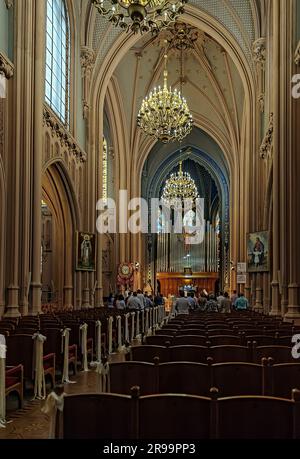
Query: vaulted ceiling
(240,17)
(212,85)
(216,80)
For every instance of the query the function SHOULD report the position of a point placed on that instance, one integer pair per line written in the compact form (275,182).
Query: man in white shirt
(134,302)
(182,305)
(141,298)
(148,301)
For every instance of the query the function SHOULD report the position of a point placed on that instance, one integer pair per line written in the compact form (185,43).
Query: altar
(172,283)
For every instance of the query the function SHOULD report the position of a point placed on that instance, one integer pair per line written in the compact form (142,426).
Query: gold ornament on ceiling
(181,36)
(141,15)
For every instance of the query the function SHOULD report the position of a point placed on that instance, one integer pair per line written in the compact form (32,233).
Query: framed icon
(85,251)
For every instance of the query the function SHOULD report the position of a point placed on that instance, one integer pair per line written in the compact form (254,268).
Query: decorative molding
(87,60)
(297,54)
(6,66)
(9,3)
(261,101)
(86,109)
(266,148)
(63,135)
(111,152)
(259,51)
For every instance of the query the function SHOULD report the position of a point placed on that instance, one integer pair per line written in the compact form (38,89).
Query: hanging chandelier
(165,114)
(179,187)
(140,15)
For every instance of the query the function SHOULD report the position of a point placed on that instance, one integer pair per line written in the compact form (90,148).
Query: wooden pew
(280,354)
(188,353)
(255,417)
(283,378)
(170,417)
(233,378)
(147,353)
(184,378)
(14,380)
(97,416)
(125,375)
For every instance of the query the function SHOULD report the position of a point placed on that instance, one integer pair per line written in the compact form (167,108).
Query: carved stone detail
(63,135)
(6,66)
(259,50)
(9,4)
(266,148)
(87,59)
(261,101)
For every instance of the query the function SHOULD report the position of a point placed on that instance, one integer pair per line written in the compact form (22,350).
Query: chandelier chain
(164,114)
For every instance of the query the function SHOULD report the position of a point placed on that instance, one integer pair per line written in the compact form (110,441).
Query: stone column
(276,145)
(6,72)
(293,194)
(259,294)
(13,172)
(38,101)
(86,292)
(98,299)
(78,303)
(266,294)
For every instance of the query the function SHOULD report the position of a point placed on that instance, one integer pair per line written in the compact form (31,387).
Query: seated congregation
(192,376)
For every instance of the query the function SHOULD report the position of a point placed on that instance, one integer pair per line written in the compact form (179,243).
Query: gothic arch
(58,193)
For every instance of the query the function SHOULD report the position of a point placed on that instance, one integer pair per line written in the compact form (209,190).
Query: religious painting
(85,251)
(258,252)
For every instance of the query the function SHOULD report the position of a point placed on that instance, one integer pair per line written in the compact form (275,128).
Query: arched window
(104,171)
(57,91)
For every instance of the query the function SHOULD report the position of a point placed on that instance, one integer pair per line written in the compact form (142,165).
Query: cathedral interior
(111,113)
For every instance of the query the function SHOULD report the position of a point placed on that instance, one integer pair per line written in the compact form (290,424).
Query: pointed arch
(59,195)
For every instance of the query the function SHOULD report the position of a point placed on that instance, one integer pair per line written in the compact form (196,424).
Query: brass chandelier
(140,15)
(179,187)
(165,114)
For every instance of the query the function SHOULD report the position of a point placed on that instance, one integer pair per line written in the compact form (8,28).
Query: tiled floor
(31,423)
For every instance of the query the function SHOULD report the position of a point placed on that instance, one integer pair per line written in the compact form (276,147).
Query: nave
(149,159)
(234,376)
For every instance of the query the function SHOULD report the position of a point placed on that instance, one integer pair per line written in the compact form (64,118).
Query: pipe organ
(180,265)
(174,254)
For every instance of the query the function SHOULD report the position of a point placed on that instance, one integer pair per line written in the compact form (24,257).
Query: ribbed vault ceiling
(212,86)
